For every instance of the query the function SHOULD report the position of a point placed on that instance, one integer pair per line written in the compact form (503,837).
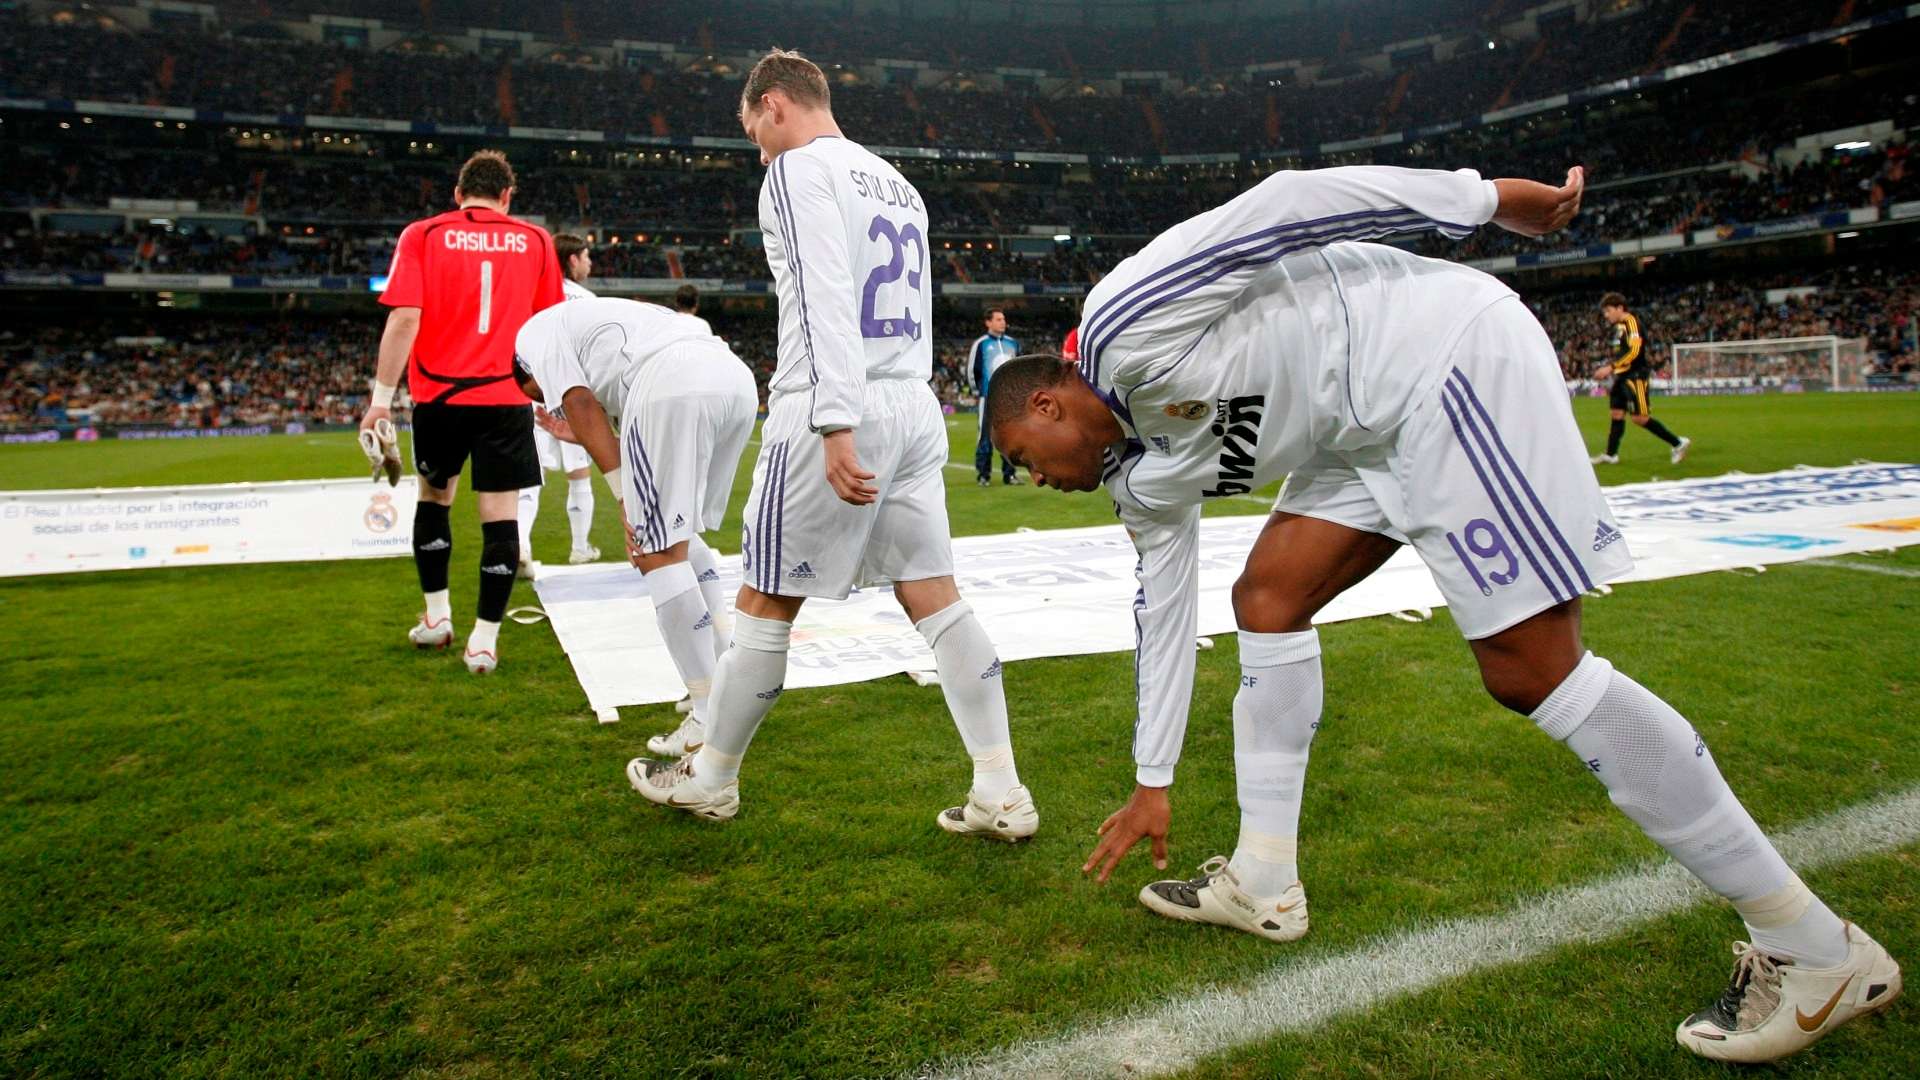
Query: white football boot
(481,662)
(691,735)
(1680,452)
(672,783)
(528,570)
(684,705)
(1772,1008)
(430,634)
(583,555)
(1605,459)
(1012,819)
(1216,897)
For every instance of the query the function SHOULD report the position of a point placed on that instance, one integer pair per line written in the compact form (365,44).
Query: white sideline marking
(1300,996)
(1866,568)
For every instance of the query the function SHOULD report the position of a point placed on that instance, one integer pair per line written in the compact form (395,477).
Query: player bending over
(684,405)
(576,262)
(1406,400)
(460,286)
(846,239)
(1632,377)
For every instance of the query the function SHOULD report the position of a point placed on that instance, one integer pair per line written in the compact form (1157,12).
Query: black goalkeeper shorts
(1632,395)
(499,439)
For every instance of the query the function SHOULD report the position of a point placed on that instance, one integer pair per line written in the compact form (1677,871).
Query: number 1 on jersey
(486,295)
(873,325)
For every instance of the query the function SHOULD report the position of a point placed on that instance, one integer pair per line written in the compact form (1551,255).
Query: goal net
(1767,364)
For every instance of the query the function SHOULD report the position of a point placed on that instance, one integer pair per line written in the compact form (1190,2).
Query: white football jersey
(601,343)
(846,239)
(573,290)
(1239,343)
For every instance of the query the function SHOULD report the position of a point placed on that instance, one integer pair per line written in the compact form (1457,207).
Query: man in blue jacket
(987,353)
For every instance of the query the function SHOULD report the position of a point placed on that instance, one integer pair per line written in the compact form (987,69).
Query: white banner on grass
(59,532)
(1069,592)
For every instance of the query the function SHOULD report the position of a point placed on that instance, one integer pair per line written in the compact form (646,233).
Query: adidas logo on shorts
(706,620)
(992,672)
(804,570)
(679,520)
(770,695)
(709,575)
(1604,535)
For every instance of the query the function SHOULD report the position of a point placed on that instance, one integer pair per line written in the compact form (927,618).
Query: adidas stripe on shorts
(799,538)
(683,428)
(1488,479)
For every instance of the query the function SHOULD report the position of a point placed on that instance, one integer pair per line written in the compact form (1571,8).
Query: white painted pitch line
(1299,996)
(1865,568)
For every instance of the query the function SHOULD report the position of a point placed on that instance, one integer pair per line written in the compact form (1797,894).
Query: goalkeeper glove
(382,448)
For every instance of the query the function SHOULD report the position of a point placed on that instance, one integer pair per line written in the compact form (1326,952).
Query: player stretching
(987,353)
(1632,374)
(461,285)
(576,262)
(685,406)
(846,240)
(1412,401)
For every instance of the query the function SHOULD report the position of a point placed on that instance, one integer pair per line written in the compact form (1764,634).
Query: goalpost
(1795,364)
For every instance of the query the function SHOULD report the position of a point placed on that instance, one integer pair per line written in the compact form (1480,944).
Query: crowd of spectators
(427,81)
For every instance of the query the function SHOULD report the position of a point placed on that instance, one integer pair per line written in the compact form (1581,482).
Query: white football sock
(1659,773)
(686,628)
(746,683)
(485,637)
(1275,714)
(529,509)
(580,509)
(439,605)
(706,569)
(970,679)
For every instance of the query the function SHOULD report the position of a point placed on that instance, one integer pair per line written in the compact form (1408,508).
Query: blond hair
(790,73)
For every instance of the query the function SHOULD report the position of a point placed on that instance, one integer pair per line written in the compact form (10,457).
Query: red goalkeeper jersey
(476,275)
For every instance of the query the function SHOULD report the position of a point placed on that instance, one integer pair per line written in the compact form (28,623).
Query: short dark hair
(686,298)
(1016,380)
(1613,299)
(566,245)
(991,312)
(790,73)
(486,175)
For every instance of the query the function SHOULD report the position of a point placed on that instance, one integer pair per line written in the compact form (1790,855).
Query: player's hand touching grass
(849,480)
(1531,208)
(1147,814)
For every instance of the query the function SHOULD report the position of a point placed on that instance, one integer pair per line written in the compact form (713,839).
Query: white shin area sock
(485,637)
(970,679)
(746,683)
(1658,771)
(439,605)
(580,508)
(1275,714)
(529,509)
(706,570)
(686,627)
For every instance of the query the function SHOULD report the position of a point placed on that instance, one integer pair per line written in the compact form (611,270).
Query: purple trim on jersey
(783,210)
(1514,466)
(1460,429)
(1101,325)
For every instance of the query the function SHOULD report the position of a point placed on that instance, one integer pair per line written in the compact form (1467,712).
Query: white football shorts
(557,456)
(1488,479)
(683,428)
(799,538)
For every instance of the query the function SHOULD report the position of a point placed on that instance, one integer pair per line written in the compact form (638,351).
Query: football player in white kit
(849,486)
(576,263)
(1406,400)
(684,407)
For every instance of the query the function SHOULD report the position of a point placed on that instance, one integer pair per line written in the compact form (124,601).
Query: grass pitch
(244,831)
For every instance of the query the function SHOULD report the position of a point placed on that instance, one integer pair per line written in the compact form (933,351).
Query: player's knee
(1268,607)
(1519,687)
(1641,419)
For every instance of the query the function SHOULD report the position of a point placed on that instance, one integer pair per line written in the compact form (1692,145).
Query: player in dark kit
(1632,377)
(461,286)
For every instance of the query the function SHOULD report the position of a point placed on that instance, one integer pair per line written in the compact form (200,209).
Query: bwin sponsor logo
(1236,423)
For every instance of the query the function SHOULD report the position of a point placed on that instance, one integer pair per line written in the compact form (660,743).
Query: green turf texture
(245,831)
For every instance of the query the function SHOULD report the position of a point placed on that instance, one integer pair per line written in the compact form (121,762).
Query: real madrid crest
(1188,410)
(381,515)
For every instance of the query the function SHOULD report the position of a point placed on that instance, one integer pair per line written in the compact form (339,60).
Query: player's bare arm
(396,344)
(1531,208)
